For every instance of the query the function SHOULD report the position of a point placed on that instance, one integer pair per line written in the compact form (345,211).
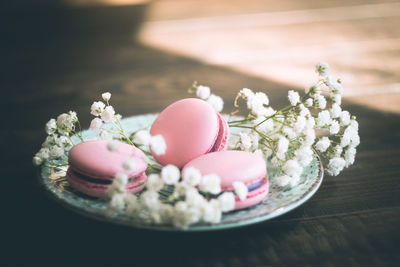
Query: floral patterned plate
(278,202)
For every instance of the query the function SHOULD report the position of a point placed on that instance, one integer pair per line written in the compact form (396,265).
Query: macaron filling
(220,140)
(256,185)
(102,181)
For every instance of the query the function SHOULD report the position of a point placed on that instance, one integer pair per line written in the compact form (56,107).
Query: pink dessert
(191,128)
(232,166)
(92,167)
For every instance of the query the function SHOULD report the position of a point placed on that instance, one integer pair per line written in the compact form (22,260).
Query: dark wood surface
(353,220)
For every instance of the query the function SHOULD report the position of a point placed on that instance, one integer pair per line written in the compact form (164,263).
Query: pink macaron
(190,128)
(92,167)
(236,166)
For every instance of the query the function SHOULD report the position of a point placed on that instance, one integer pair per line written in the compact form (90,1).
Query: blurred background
(60,55)
(279,41)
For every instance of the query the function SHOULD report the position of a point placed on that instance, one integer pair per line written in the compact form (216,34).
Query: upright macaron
(93,166)
(190,128)
(236,166)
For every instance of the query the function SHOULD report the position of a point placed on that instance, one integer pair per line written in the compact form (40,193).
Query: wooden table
(353,220)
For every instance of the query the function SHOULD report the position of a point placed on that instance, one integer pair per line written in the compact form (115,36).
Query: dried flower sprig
(58,140)
(288,136)
(194,198)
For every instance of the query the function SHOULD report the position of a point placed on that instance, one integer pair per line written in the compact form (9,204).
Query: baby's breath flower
(113,145)
(211,211)
(121,178)
(282,146)
(118,117)
(336,99)
(292,168)
(65,123)
(336,165)
(97,108)
(227,201)
(240,189)
(324,118)
(322,68)
(293,97)
(117,203)
(150,199)
(64,142)
(283,180)
(118,185)
(51,126)
(265,126)
(304,156)
(132,205)
(309,137)
(96,124)
(247,93)
(154,182)
(216,102)
(323,144)
(37,161)
(108,114)
(106,96)
(142,138)
(310,123)
(56,152)
(309,102)
(300,124)
(192,176)
(255,138)
(210,183)
(158,145)
(170,174)
(245,141)
(304,112)
(334,85)
(203,92)
(129,164)
(345,118)
(349,156)
(193,198)
(336,111)
(44,153)
(290,133)
(335,127)
(320,101)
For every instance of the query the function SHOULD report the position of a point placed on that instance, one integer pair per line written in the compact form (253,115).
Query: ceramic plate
(278,202)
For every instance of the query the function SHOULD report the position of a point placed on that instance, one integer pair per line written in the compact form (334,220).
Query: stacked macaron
(93,166)
(195,136)
(190,128)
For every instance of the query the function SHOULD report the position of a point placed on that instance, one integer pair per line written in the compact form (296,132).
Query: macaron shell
(94,159)
(231,166)
(253,197)
(223,135)
(101,190)
(189,127)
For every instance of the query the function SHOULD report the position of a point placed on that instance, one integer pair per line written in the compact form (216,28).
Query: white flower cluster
(103,111)
(288,136)
(215,101)
(156,142)
(58,137)
(195,198)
